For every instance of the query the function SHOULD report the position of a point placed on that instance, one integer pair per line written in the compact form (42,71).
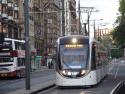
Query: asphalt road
(115,75)
(13,84)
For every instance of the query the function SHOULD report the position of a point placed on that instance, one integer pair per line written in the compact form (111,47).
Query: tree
(119,31)
(107,41)
(122,7)
(118,34)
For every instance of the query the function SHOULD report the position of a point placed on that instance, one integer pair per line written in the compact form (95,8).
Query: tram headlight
(69,73)
(65,72)
(83,72)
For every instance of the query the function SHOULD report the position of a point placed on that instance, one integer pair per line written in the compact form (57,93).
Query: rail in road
(116,74)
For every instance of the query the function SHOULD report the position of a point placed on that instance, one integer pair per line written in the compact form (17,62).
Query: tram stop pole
(27,54)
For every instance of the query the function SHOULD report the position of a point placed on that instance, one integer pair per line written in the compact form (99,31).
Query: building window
(0,7)
(16,15)
(4,9)
(49,21)
(31,17)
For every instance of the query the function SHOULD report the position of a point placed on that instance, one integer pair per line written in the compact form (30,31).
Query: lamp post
(63,18)
(27,61)
(79,18)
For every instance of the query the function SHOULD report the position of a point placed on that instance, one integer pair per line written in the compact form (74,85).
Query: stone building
(51,25)
(70,17)
(9,18)
(44,24)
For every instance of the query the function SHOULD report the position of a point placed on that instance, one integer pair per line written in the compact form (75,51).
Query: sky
(108,10)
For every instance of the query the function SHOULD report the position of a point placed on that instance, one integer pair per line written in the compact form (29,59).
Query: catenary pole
(63,18)
(27,55)
(94,29)
(79,18)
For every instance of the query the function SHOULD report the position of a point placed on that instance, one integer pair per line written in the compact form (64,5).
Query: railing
(119,89)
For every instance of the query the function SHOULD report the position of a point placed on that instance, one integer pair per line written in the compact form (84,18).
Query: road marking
(86,91)
(116,72)
(111,66)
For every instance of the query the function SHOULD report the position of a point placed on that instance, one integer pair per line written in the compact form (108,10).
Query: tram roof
(66,39)
(74,36)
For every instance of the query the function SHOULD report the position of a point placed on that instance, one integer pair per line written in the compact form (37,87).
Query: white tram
(80,62)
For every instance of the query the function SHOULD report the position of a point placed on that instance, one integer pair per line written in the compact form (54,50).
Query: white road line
(111,66)
(116,72)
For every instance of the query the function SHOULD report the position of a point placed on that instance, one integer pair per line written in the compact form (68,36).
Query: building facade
(70,17)
(9,19)
(44,22)
(52,25)
(44,26)
(36,16)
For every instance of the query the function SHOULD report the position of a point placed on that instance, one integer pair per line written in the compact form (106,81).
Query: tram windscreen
(73,56)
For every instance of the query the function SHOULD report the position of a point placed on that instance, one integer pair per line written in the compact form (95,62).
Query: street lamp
(79,18)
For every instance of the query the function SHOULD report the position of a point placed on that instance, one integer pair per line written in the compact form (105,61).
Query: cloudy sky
(107,9)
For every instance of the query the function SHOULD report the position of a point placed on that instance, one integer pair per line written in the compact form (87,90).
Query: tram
(80,61)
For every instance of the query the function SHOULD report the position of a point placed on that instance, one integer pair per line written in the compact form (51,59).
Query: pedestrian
(49,65)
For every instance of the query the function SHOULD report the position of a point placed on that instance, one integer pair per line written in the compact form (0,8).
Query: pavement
(36,87)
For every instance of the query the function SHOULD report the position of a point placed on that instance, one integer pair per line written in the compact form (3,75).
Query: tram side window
(21,61)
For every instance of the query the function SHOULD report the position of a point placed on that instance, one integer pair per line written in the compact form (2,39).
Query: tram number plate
(74,73)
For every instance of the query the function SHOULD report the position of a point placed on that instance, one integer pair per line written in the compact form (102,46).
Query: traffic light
(2,36)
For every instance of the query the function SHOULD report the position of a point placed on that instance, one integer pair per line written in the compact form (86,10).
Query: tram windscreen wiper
(67,65)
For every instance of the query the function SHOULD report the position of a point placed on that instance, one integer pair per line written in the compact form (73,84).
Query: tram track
(44,90)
